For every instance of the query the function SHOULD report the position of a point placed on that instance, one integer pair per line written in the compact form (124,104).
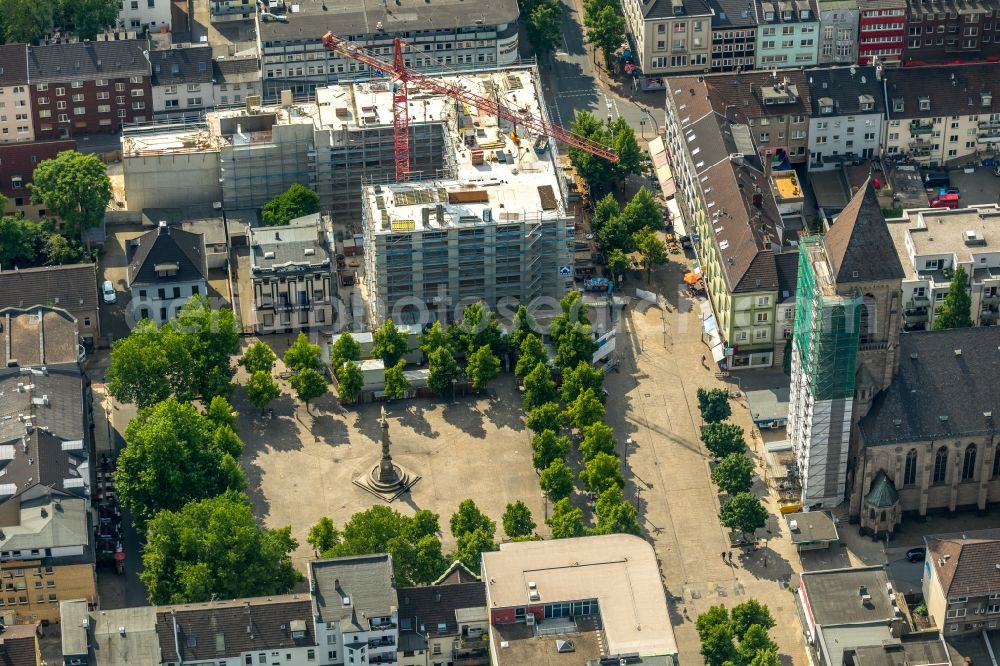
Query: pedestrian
(723,556)
(703,359)
(730,557)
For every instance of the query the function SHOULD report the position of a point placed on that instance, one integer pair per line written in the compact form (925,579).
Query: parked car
(945,201)
(950,190)
(108,292)
(916,554)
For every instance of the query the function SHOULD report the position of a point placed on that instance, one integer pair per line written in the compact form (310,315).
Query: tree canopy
(26,244)
(956,310)
(734,473)
(580,378)
(539,387)
(556,480)
(296,201)
(258,358)
(261,389)
(605,29)
(444,371)
(566,520)
(615,515)
(170,458)
(389,343)
(547,447)
(396,383)
(480,326)
(532,353)
(598,437)
(323,535)
(74,186)
(482,366)
(747,625)
(517,521)
(546,416)
(602,472)
(469,518)
(309,384)
(543,23)
(214,549)
(586,410)
(744,513)
(302,354)
(652,250)
(722,439)
(714,405)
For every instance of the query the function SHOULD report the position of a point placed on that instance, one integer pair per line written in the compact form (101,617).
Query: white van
(108,292)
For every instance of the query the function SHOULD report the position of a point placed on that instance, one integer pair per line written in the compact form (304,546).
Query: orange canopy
(692,278)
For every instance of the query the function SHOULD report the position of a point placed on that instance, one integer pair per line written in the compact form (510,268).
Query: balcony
(918,302)
(873,346)
(914,316)
(991,299)
(988,136)
(990,123)
(383,642)
(917,127)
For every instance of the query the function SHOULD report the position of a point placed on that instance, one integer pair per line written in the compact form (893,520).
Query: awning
(692,278)
(658,153)
(719,352)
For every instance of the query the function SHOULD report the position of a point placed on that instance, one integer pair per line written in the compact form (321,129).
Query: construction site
(480,213)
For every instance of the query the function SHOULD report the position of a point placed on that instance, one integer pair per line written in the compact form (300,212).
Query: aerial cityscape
(499,332)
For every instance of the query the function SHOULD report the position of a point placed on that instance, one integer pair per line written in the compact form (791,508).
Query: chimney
(163,229)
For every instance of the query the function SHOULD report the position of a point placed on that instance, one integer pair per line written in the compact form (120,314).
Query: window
(102,82)
(76,84)
(996,462)
(170,90)
(136,92)
(194,101)
(79,110)
(138,106)
(60,91)
(119,99)
(135,79)
(171,103)
(910,469)
(43,100)
(61,104)
(104,95)
(63,118)
(42,87)
(120,87)
(194,87)
(122,113)
(969,463)
(762,317)
(940,466)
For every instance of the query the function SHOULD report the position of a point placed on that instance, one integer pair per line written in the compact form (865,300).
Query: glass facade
(571,609)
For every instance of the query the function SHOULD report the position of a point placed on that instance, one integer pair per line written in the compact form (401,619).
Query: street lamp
(642,124)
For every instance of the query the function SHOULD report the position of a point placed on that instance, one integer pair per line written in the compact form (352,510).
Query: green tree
(522,326)
(566,520)
(598,437)
(517,521)
(586,410)
(389,343)
(625,144)
(547,447)
(20,241)
(539,387)
(213,338)
(601,472)
(396,383)
(750,612)
(469,518)
(652,250)
(532,353)
(74,186)
(258,358)
(734,474)
(323,536)
(294,202)
(26,21)
(479,327)
(434,338)
(482,366)
(169,459)
(556,480)
(744,513)
(606,31)
(597,171)
(618,262)
(444,371)
(60,250)
(615,515)
(470,546)
(577,380)
(221,413)
(714,617)
(87,18)
(642,212)
(412,542)
(765,658)
(615,235)
(261,389)
(722,439)
(350,381)
(546,416)
(714,405)
(606,210)
(309,384)
(151,364)
(718,649)
(544,27)
(576,345)
(303,355)
(956,310)
(214,548)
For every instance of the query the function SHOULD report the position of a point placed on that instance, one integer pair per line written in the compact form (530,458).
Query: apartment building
(222,11)
(16,124)
(949,31)
(961,585)
(928,445)
(932,244)
(144,15)
(788,34)
(31,590)
(166,267)
(734,35)
(670,37)
(291,270)
(17,168)
(940,115)
(89,87)
(235,79)
(838,32)
(72,287)
(848,110)
(183,81)
(444,33)
(881,32)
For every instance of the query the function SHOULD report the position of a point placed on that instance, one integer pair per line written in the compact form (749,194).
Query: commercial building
(848,110)
(932,244)
(143,16)
(929,442)
(947,31)
(961,583)
(838,31)
(788,34)
(292,275)
(183,80)
(166,267)
(32,589)
(450,34)
(939,115)
(734,35)
(223,11)
(812,530)
(71,287)
(881,32)
(599,596)
(15,95)
(670,37)
(89,87)
(844,348)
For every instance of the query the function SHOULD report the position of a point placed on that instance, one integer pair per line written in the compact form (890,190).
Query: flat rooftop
(836,596)
(943,232)
(300,243)
(785,186)
(618,570)
(812,526)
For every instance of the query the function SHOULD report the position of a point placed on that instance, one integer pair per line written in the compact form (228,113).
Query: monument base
(386,491)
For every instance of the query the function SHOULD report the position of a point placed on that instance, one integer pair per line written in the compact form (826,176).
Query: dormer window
(165,270)
(825,106)
(867,102)
(986,98)
(786,16)
(897,104)
(925,103)
(804,15)
(768,16)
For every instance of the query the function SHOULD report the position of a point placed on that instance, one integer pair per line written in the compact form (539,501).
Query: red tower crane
(402,75)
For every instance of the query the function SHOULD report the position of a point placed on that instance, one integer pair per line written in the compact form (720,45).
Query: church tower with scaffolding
(845,344)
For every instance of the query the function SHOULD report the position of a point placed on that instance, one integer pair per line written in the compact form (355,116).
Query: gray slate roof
(859,245)
(365,581)
(236,69)
(933,382)
(41,517)
(734,14)
(845,89)
(72,287)
(951,90)
(167,245)
(432,608)
(663,9)
(54,63)
(182,65)
(787,264)
(13,64)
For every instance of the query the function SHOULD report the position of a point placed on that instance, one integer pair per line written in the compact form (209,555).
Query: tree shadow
(766,564)
(366,421)
(505,413)
(254,478)
(572,34)
(413,417)
(465,417)
(332,431)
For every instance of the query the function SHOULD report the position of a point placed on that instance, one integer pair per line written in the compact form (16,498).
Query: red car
(944,201)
